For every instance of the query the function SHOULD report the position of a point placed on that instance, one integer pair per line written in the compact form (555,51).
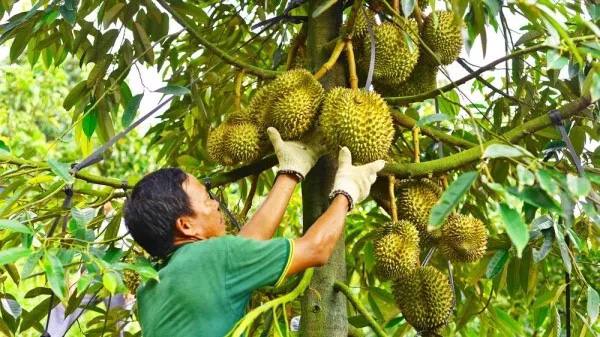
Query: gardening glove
(295,157)
(354,182)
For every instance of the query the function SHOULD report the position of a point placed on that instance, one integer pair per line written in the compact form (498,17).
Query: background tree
(486,138)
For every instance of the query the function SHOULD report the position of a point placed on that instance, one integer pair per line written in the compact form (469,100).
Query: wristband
(296,174)
(334,193)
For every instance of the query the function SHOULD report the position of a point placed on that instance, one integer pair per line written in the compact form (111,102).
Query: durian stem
(418,15)
(335,55)
(292,54)
(416,131)
(193,31)
(396,5)
(251,193)
(351,65)
(444,182)
(250,317)
(391,190)
(239,78)
(344,289)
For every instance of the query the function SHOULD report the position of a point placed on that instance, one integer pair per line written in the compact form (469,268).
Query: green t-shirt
(205,287)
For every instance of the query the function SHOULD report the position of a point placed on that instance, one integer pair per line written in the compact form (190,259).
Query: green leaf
(176,90)
(15,226)
(536,196)
(502,150)
(31,263)
(84,281)
(526,177)
(429,119)
(10,255)
(131,110)
(578,186)
(547,182)
(450,198)
(55,273)
(564,249)
(593,302)
(83,216)
(75,95)
(12,307)
(496,263)
(3,147)
(110,281)
(555,60)
(90,120)
(61,170)
(126,94)
(323,7)
(69,12)
(515,227)
(20,42)
(408,6)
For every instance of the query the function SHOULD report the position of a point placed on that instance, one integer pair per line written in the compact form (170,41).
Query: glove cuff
(299,176)
(334,193)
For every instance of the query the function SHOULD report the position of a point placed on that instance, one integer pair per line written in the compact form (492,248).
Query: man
(209,277)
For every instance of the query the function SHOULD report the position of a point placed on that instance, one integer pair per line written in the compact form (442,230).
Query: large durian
(463,239)
(415,200)
(358,119)
(396,50)
(442,34)
(396,250)
(293,108)
(424,298)
(243,142)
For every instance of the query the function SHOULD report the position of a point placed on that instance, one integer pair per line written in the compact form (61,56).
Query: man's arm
(267,218)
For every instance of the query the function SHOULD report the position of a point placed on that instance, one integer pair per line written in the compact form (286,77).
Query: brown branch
(466,157)
(189,27)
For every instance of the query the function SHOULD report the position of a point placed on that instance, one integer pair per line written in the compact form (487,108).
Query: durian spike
(351,65)
(391,187)
(239,78)
(416,131)
(335,55)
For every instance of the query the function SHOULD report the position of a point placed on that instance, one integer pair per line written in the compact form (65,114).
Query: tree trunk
(323,310)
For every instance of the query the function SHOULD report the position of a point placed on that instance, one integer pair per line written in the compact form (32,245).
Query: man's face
(207,218)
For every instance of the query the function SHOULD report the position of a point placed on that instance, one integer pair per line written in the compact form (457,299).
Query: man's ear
(183,226)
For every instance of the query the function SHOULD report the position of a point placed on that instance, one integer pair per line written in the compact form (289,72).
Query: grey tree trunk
(323,310)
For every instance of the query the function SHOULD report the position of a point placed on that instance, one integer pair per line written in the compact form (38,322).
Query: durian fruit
(396,250)
(364,17)
(443,36)
(424,298)
(396,50)
(215,145)
(295,109)
(260,103)
(131,280)
(415,200)
(358,119)
(300,59)
(463,239)
(422,79)
(242,142)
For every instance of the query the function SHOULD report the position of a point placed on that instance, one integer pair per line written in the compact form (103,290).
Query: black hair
(155,204)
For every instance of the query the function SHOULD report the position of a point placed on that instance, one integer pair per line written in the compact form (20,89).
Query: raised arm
(351,185)
(295,160)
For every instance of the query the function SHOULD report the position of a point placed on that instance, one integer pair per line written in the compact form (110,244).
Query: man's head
(168,207)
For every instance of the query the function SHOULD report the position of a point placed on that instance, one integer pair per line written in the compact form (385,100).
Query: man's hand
(294,156)
(354,181)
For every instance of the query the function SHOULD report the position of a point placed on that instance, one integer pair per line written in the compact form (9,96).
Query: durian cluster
(296,105)
(407,56)
(423,293)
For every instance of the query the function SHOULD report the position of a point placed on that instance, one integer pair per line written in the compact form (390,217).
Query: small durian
(396,250)
(415,200)
(463,239)
(260,103)
(131,280)
(442,34)
(422,79)
(295,109)
(425,298)
(243,142)
(364,18)
(396,50)
(358,119)
(215,145)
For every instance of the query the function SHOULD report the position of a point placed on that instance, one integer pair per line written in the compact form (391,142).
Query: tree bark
(324,310)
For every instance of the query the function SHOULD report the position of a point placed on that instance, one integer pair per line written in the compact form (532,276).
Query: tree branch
(339,286)
(430,94)
(242,172)
(409,123)
(460,159)
(182,20)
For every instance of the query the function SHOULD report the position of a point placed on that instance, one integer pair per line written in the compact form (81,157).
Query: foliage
(542,218)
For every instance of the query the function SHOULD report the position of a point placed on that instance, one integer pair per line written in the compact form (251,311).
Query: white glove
(354,182)
(295,157)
